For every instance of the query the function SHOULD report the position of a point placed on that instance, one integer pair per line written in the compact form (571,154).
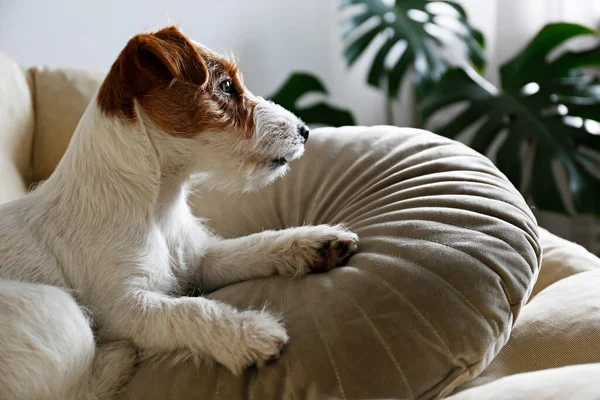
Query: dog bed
(448,256)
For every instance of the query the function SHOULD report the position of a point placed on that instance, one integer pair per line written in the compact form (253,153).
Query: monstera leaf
(300,84)
(549,109)
(425,27)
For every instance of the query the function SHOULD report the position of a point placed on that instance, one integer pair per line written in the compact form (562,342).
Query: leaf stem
(389,105)
(416,116)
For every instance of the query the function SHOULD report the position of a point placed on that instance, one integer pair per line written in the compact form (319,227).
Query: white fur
(230,165)
(111,233)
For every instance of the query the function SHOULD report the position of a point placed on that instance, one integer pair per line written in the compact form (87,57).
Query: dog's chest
(159,262)
(178,261)
(177,257)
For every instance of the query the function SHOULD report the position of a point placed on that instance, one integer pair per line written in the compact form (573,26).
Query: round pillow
(448,255)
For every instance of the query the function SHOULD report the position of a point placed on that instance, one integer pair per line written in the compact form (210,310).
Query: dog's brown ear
(170,55)
(148,60)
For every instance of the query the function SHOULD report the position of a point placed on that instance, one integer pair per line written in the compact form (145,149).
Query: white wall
(272,37)
(509,24)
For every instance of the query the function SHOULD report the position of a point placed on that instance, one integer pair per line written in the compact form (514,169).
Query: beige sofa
(554,348)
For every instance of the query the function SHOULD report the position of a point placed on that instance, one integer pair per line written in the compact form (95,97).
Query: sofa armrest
(16,130)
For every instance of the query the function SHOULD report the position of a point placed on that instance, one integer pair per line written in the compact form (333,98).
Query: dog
(96,261)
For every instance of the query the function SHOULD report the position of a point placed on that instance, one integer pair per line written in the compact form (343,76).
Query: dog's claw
(271,360)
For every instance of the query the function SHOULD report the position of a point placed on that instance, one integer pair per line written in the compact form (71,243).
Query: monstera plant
(426,31)
(541,126)
(547,112)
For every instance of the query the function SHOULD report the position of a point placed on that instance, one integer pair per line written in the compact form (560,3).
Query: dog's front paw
(324,247)
(259,339)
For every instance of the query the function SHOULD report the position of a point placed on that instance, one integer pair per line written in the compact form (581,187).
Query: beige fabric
(448,254)
(561,260)
(581,382)
(16,130)
(561,324)
(559,327)
(61,97)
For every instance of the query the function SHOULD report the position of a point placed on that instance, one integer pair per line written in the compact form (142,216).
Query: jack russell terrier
(106,249)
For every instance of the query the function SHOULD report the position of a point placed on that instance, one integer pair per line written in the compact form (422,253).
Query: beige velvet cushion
(16,130)
(561,325)
(448,255)
(61,97)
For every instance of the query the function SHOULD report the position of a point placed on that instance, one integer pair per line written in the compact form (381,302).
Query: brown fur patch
(177,85)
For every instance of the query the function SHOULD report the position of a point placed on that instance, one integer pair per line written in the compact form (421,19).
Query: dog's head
(202,119)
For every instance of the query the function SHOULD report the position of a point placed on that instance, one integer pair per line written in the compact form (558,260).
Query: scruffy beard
(233,181)
(232,165)
(263,177)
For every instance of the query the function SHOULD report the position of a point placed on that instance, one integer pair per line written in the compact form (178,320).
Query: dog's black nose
(304,131)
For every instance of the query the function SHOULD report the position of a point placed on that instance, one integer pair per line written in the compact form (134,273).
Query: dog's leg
(157,323)
(112,368)
(47,348)
(46,344)
(293,251)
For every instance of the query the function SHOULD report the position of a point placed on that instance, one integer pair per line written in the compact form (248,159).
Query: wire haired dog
(110,235)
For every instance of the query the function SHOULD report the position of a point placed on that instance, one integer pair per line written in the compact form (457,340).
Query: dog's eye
(228,88)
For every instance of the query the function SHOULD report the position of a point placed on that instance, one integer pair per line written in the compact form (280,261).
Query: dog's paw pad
(335,253)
